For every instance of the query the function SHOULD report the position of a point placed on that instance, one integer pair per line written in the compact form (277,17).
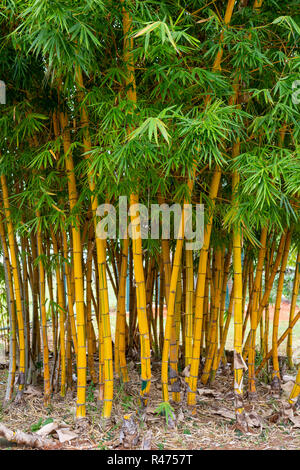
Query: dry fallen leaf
(65,435)
(287,388)
(254,420)
(30,390)
(147,440)
(186,371)
(150,410)
(180,416)
(224,412)
(296,356)
(47,429)
(296,421)
(208,392)
(239,362)
(288,378)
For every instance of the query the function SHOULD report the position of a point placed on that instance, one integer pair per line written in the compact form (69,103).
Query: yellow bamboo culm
(239,364)
(141,300)
(189,299)
(219,281)
(78,276)
(225,332)
(105,329)
(276,372)
(172,293)
(227,262)
(296,284)
(43,314)
(213,340)
(267,311)
(165,251)
(17,287)
(296,390)
(120,343)
(227,19)
(149,282)
(104,324)
(89,324)
(257,4)
(170,316)
(12,311)
(69,294)
(174,346)
(61,308)
(68,271)
(255,303)
(200,287)
(200,291)
(136,227)
(206,314)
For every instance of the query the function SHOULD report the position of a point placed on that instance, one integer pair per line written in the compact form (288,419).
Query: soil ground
(210,425)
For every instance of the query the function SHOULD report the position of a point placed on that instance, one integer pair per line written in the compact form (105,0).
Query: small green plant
(110,434)
(90,393)
(91,397)
(160,446)
(264,435)
(91,408)
(238,433)
(127,402)
(47,421)
(258,358)
(187,431)
(37,426)
(39,365)
(165,409)
(102,446)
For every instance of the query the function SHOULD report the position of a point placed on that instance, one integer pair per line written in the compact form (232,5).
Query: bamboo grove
(162,103)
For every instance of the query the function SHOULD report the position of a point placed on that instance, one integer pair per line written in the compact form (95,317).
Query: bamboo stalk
(296,283)
(61,308)
(255,303)
(78,276)
(43,314)
(17,288)
(200,289)
(12,315)
(276,372)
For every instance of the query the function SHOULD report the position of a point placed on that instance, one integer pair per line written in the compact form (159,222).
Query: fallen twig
(26,439)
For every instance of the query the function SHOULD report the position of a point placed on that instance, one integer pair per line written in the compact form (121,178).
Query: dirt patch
(208,427)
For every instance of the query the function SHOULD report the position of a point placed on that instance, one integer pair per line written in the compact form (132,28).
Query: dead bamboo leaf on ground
(224,412)
(287,388)
(296,421)
(65,435)
(147,441)
(33,391)
(47,429)
(208,392)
